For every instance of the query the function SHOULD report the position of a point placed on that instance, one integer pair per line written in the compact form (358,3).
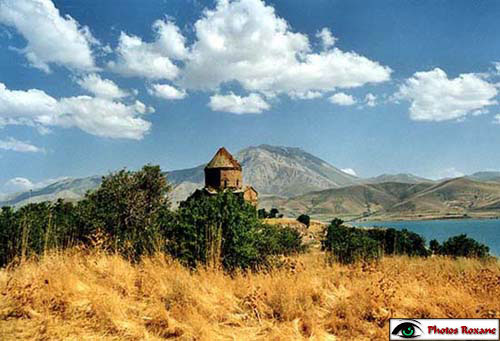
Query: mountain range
(297,182)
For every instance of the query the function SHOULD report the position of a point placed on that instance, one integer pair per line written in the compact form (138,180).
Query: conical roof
(223,159)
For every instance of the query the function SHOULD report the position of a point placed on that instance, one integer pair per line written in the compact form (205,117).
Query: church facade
(224,173)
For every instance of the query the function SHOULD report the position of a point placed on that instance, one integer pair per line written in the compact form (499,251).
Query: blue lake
(486,231)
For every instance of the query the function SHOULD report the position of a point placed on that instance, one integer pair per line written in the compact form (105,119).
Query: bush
(395,242)
(463,246)
(304,219)
(348,245)
(216,230)
(125,210)
(279,240)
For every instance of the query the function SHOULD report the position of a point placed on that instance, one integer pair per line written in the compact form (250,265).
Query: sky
(372,87)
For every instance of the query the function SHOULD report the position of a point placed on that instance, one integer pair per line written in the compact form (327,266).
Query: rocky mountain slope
(392,200)
(297,182)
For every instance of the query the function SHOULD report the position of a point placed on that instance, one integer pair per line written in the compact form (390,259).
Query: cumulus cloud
(104,88)
(154,60)
(19,146)
(245,41)
(435,97)
(447,173)
(166,91)
(341,98)
(252,104)
(496,119)
(349,171)
(50,37)
(94,115)
(20,184)
(306,95)
(326,37)
(370,100)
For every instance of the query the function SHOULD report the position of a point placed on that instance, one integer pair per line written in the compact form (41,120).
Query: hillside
(402,178)
(282,171)
(451,198)
(297,182)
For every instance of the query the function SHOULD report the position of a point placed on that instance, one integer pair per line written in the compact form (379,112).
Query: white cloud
(306,95)
(497,67)
(104,88)
(166,91)
(435,97)
(370,100)
(154,60)
(326,37)
(50,37)
(252,104)
(496,119)
(94,115)
(349,171)
(19,146)
(245,41)
(447,173)
(18,185)
(341,98)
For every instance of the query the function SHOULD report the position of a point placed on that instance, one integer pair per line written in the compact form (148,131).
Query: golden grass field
(74,295)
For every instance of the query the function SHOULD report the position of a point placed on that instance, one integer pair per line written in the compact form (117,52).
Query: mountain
(392,200)
(282,171)
(347,202)
(297,182)
(287,171)
(485,176)
(68,188)
(405,178)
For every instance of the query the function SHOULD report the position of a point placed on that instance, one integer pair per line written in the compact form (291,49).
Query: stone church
(224,173)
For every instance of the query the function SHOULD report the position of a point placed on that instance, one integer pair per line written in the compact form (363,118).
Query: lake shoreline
(426,218)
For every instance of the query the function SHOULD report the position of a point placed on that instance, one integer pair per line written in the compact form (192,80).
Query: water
(486,231)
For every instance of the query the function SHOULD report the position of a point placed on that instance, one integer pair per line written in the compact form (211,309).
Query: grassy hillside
(392,200)
(92,296)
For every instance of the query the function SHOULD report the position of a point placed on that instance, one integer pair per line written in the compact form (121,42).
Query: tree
(304,219)
(273,213)
(216,230)
(435,247)
(463,246)
(348,245)
(126,208)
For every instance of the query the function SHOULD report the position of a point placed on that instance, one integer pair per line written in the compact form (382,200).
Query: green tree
(463,246)
(347,244)
(435,247)
(126,208)
(304,219)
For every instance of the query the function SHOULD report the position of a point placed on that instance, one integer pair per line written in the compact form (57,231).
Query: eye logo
(407,330)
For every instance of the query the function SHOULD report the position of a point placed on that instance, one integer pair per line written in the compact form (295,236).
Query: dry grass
(76,296)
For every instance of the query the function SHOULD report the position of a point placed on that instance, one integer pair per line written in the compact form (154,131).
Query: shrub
(304,219)
(279,240)
(217,230)
(395,242)
(126,208)
(463,246)
(348,245)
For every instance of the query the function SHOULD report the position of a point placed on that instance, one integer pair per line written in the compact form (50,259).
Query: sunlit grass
(92,296)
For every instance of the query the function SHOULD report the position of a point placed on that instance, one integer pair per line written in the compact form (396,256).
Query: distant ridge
(298,182)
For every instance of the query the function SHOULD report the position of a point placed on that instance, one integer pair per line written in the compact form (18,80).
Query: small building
(224,173)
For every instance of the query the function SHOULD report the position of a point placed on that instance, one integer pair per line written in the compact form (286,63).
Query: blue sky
(91,86)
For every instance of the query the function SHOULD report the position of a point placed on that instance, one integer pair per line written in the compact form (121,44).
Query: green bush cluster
(460,246)
(348,244)
(130,214)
